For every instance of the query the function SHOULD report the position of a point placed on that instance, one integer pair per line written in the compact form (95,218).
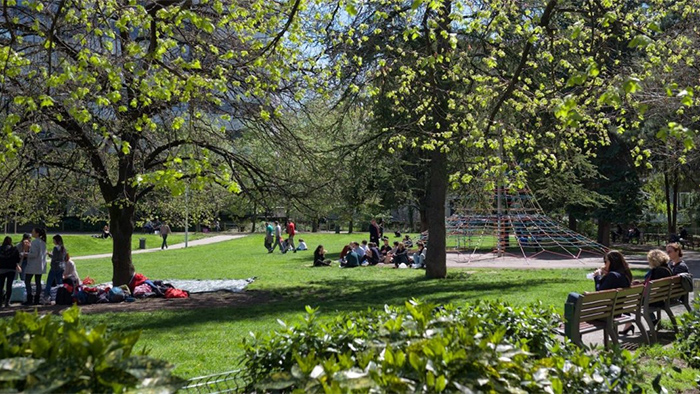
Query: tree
(144,95)
(512,84)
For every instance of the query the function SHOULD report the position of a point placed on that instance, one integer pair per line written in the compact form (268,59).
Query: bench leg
(652,329)
(669,312)
(645,334)
(685,301)
(612,331)
(605,339)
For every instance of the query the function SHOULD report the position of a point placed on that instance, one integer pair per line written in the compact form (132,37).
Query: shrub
(48,354)
(487,347)
(688,337)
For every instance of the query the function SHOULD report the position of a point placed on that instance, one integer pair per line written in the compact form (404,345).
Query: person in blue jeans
(58,258)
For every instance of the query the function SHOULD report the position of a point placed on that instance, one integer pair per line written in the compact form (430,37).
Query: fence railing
(225,382)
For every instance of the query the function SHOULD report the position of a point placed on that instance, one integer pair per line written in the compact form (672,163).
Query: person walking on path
(36,265)
(164,232)
(374,232)
(9,266)
(291,231)
(58,264)
(278,238)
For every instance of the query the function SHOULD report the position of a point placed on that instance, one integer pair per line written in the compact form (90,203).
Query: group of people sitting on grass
(366,253)
(616,272)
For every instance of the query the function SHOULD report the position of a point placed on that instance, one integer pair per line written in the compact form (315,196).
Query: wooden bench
(605,310)
(589,312)
(661,295)
(628,308)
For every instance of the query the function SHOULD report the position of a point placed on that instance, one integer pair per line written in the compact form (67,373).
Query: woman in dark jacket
(9,266)
(658,264)
(401,255)
(374,254)
(675,253)
(320,257)
(616,273)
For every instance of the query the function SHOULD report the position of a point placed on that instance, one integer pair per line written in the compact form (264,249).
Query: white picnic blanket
(208,286)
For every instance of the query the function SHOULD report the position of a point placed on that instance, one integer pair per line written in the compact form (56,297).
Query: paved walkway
(549,261)
(198,242)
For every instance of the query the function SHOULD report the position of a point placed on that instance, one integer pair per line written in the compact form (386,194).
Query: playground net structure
(510,222)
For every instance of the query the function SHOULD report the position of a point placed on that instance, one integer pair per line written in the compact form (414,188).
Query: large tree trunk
(350,225)
(314,225)
(604,232)
(573,223)
(436,261)
(122,227)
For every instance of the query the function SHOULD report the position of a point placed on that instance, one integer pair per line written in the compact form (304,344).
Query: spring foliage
(485,347)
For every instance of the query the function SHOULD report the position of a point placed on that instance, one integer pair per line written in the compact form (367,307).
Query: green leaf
(640,41)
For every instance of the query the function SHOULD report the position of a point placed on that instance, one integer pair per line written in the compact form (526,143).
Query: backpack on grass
(64,296)
(116,294)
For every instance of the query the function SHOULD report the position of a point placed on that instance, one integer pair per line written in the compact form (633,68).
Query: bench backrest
(596,306)
(677,289)
(628,300)
(658,290)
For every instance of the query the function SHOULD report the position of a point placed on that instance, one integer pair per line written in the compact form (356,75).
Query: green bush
(688,337)
(48,354)
(487,347)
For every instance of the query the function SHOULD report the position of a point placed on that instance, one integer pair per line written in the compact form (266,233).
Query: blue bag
(116,294)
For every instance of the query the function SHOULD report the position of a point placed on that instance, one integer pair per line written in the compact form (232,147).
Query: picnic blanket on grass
(208,286)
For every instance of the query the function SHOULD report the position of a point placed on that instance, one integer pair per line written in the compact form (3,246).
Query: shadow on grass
(347,295)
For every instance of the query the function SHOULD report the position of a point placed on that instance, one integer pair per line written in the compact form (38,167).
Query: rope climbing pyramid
(509,221)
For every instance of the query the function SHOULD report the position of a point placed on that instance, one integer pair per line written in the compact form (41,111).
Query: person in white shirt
(302,245)
(364,246)
(419,256)
(70,274)
(278,238)
(360,252)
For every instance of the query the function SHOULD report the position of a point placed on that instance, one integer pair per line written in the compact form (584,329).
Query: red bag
(176,293)
(136,280)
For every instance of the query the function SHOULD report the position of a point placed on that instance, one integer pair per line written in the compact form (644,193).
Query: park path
(198,242)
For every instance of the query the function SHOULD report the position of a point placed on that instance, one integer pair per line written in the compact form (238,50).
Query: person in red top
(291,231)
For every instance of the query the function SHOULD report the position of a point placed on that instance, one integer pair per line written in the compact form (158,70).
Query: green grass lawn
(207,340)
(86,244)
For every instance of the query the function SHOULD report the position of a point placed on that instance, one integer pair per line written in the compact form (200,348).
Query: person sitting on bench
(675,252)
(633,234)
(615,274)
(658,264)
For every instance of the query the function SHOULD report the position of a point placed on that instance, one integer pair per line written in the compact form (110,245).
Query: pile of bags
(142,287)
(138,287)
